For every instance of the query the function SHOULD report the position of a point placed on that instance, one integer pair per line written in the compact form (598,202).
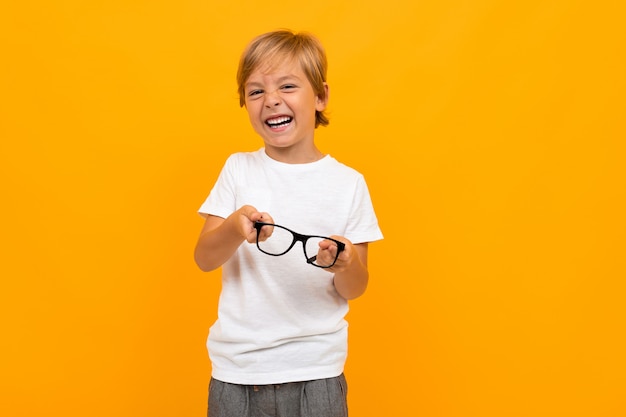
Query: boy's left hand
(328,251)
(350,269)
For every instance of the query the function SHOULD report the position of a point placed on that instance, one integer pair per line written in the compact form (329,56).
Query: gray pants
(318,398)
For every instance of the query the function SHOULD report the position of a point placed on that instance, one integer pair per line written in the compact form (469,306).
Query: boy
(279,344)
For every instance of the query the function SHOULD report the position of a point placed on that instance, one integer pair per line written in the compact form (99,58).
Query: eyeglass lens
(282,240)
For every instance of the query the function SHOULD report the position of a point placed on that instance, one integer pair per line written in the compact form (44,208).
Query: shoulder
(240,159)
(246,156)
(344,170)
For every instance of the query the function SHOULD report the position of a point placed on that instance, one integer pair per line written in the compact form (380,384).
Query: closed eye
(255,93)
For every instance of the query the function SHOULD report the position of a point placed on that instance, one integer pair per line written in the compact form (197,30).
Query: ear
(322,102)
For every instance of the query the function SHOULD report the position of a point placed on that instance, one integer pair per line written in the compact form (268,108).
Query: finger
(327,244)
(265,232)
(249,212)
(265,218)
(327,255)
(250,232)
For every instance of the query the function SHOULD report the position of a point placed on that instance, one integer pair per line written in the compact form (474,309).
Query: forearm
(351,282)
(215,246)
(220,238)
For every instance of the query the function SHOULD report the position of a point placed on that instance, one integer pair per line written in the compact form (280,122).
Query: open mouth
(278,122)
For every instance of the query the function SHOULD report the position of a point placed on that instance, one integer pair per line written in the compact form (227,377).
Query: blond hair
(278,46)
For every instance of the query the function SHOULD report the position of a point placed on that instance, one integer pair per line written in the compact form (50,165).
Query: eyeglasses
(282,240)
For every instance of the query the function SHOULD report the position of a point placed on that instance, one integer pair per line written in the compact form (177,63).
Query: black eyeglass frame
(298,237)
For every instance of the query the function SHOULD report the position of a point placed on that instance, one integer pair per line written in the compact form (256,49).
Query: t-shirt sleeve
(221,200)
(363,225)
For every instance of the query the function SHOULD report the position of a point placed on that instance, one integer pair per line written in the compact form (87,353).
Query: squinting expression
(281,105)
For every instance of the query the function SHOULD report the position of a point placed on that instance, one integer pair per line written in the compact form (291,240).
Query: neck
(293,156)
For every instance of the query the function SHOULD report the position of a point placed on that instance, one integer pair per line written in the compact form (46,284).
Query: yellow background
(491,134)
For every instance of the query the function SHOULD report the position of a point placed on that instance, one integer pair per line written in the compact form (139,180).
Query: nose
(272,98)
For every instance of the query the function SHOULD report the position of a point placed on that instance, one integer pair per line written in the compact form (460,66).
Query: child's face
(281,105)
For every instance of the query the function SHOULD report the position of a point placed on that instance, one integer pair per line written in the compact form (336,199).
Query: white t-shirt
(279,318)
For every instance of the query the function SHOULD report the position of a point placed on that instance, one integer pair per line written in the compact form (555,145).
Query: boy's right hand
(247,216)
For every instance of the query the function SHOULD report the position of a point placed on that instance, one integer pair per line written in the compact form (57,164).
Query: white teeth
(278,120)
